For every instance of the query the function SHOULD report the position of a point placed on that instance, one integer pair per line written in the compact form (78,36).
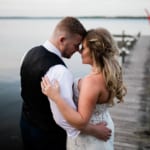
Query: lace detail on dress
(98,113)
(87,142)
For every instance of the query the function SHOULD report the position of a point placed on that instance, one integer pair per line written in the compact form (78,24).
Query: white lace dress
(86,142)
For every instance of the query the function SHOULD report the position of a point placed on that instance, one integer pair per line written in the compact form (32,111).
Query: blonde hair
(104,50)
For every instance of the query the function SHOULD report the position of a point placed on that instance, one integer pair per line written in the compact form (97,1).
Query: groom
(39,130)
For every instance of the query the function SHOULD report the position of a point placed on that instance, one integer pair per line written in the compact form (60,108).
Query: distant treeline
(115,17)
(82,17)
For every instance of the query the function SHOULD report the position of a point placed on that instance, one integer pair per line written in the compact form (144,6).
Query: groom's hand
(100,131)
(103,132)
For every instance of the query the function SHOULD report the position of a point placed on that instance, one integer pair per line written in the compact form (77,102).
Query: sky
(74,7)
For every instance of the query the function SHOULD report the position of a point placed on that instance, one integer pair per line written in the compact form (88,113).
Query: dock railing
(125,43)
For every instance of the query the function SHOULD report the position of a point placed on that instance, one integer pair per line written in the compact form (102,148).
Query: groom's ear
(61,39)
(61,42)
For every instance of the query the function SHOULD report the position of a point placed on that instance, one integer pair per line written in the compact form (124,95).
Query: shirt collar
(50,47)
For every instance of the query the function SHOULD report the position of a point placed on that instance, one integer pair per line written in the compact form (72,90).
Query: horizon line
(80,17)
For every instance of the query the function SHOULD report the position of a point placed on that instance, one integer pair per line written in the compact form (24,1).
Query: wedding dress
(87,142)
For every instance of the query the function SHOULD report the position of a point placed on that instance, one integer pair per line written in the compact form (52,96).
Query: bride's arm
(87,100)
(99,131)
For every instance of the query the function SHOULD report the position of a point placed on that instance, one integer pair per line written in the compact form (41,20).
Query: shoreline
(80,17)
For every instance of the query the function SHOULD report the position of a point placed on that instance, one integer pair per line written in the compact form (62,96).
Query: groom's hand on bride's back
(100,131)
(103,132)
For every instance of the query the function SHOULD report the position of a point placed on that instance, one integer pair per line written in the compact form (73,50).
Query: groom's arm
(99,131)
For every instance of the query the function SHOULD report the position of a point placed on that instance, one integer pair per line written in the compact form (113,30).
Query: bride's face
(85,54)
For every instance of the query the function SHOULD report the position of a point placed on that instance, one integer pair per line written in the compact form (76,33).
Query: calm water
(17,36)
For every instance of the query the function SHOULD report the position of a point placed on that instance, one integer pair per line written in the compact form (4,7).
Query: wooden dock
(132,118)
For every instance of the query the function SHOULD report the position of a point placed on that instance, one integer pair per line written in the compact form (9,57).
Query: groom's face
(71,45)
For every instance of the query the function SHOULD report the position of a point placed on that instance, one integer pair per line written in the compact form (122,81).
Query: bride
(93,94)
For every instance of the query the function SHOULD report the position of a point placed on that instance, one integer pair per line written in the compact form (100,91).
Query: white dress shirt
(65,79)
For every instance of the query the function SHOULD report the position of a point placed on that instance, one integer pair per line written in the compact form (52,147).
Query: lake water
(18,36)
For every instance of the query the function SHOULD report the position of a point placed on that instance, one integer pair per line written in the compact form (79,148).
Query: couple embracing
(62,113)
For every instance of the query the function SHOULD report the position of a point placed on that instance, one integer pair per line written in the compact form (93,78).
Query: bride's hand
(50,89)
